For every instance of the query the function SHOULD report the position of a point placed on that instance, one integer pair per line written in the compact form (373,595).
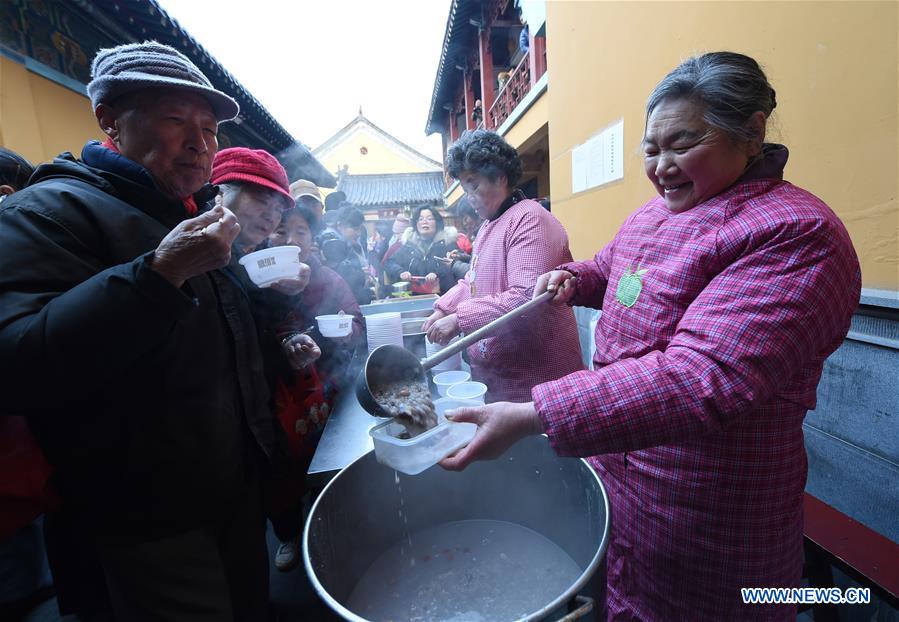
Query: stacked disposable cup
(453,362)
(384,329)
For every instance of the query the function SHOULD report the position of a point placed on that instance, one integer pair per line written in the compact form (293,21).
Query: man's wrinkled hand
(196,246)
(301,350)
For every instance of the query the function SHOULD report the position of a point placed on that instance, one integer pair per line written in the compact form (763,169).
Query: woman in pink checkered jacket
(517,242)
(721,298)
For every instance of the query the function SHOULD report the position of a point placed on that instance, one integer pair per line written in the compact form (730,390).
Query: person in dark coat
(253,185)
(425,246)
(304,398)
(345,254)
(24,574)
(133,357)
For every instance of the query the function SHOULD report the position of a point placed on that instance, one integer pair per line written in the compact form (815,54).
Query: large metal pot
(355,519)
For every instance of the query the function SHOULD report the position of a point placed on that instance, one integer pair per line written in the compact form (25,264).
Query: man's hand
(301,350)
(560,281)
(431,278)
(196,246)
(500,425)
(292,287)
(443,330)
(406,276)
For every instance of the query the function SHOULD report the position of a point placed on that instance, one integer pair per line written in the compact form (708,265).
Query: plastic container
(335,325)
(445,379)
(414,455)
(271,265)
(468,391)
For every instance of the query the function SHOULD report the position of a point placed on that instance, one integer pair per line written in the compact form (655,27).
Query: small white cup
(474,391)
(444,380)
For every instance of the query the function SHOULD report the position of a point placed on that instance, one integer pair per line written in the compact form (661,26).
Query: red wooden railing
(513,91)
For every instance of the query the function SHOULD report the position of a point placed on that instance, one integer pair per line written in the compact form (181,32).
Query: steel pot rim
(567,596)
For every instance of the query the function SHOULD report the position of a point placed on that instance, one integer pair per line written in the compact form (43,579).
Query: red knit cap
(253,166)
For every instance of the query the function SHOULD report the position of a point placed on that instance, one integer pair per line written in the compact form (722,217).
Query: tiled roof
(396,189)
(459,40)
(87,25)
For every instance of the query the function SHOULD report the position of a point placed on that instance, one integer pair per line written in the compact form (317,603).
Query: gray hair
(731,87)
(486,153)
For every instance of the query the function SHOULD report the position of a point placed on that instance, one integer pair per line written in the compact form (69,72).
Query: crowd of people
(134,252)
(162,407)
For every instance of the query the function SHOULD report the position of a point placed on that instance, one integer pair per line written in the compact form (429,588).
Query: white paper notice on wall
(600,160)
(578,169)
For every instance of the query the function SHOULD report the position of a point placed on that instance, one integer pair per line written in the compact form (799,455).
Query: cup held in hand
(337,325)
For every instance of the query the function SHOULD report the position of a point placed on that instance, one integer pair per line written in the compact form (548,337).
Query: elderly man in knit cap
(135,358)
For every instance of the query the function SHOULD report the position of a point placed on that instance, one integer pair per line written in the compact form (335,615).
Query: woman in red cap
(253,185)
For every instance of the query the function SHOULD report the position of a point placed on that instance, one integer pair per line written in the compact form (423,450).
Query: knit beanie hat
(254,166)
(134,66)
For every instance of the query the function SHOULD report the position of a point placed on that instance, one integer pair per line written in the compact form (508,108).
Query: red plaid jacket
(510,252)
(694,413)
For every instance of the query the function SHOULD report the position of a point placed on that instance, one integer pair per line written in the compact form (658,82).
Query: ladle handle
(483,331)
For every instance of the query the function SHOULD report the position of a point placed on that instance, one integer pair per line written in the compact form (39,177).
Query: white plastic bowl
(445,379)
(468,391)
(335,325)
(271,265)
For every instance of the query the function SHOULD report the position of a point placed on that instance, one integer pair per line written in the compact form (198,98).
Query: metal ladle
(388,365)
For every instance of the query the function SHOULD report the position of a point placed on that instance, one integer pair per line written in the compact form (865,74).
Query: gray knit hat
(133,66)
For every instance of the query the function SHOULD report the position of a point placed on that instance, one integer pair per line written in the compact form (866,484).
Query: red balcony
(512,92)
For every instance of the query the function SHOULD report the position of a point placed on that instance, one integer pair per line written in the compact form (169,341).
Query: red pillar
(537,57)
(453,129)
(487,94)
(469,102)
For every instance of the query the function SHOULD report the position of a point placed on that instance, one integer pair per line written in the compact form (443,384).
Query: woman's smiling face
(687,160)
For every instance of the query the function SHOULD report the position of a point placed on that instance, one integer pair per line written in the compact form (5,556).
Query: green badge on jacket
(629,287)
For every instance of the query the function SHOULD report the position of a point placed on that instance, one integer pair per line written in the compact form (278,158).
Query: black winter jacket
(418,257)
(149,400)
